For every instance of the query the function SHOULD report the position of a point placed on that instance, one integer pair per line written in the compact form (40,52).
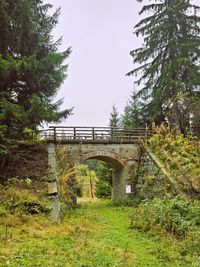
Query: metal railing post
(74,133)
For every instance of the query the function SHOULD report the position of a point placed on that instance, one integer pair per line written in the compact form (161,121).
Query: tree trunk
(91,185)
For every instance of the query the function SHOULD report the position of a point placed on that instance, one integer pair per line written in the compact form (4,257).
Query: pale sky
(100,34)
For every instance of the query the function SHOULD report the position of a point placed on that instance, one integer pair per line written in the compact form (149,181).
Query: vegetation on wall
(180,155)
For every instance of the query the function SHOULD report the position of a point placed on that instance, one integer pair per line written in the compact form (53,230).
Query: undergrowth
(127,201)
(97,234)
(180,156)
(171,218)
(18,197)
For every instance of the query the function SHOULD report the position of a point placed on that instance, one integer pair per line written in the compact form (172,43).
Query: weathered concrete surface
(53,183)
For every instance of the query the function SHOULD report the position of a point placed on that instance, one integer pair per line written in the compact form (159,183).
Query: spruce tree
(168,60)
(31,68)
(126,117)
(114,120)
(135,114)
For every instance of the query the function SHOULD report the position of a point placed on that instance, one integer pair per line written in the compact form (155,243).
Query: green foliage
(18,197)
(96,234)
(134,115)
(174,216)
(103,180)
(180,156)
(4,142)
(22,201)
(104,172)
(3,211)
(114,120)
(128,201)
(168,63)
(31,68)
(103,189)
(86,180)
(104,183)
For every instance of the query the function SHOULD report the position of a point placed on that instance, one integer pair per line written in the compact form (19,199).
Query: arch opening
(116,177)
(98,181)
(112,159)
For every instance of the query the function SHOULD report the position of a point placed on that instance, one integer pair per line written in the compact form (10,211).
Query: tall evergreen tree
(168,60)
(135,113)
(114,120)
(31,68)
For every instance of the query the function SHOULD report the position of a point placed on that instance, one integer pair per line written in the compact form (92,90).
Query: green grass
(95,235)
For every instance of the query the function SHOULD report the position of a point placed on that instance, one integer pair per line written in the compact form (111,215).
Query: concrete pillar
(53,184)
(119,180)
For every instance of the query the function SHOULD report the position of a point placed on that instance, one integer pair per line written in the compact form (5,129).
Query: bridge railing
(75,134)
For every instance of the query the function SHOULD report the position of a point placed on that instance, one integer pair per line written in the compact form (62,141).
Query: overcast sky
(100,34)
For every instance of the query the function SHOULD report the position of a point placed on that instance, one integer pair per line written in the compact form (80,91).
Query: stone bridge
(120,149)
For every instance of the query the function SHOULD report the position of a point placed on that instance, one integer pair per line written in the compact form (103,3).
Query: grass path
(95,235)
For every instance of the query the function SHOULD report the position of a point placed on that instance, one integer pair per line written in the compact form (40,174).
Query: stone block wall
(122,158)
(151,182)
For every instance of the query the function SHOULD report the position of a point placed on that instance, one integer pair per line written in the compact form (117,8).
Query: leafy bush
(128,201)
(175,216)
(103,189)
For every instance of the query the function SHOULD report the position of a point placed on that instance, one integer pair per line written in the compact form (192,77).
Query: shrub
(103,189)
(175,216)
(22,201)
(128,201)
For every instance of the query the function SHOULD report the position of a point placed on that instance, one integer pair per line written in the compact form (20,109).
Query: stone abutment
(122,158)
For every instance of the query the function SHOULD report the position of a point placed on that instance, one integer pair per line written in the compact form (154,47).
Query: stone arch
(119,166)
(112,159)
(123,158)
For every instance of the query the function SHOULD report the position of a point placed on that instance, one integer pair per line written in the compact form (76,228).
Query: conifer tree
(168,60)
(31,68)
(114,120)
(126,117)
(135,113)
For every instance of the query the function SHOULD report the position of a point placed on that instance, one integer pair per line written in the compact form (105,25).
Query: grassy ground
(96,234)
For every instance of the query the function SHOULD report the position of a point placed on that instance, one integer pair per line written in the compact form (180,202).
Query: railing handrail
(97,127)
(91,134)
